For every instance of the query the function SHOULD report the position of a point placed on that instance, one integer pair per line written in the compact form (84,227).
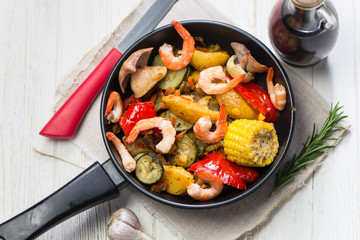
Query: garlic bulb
(124,224)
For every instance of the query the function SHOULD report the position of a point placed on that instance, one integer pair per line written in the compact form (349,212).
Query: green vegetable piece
(201,146)
(158,102)
(149,169)
(179,124)
(172,78)
(186,151)
(214,48)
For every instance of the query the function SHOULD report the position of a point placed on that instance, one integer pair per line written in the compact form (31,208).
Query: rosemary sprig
(313,147)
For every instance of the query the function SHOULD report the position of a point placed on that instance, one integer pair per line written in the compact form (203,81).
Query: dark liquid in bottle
(299,49)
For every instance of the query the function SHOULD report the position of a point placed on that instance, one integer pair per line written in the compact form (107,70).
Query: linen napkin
(218,223)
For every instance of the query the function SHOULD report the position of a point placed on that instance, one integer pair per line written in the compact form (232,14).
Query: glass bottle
(303,32)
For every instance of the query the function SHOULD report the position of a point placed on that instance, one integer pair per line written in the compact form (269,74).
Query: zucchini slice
(149,169)
(139,155)
(179,124)
(158,102)
(157,61)
(172,78)
(186,152)
(201,146)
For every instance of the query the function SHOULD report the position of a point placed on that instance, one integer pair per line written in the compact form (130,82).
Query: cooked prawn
(277,93)
(126,159)
(114,108)
(167,54)
(203,125)
(211,74)
(203,194)
(167,130)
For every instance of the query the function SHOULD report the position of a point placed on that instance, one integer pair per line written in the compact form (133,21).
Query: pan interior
(223,34)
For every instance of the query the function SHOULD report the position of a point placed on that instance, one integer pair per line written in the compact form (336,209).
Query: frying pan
(102,182)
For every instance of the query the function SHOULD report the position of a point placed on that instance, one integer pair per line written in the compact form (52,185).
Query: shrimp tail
(207,84)
(167,130)
(201,194)
(127,160)
(166,51)
(132,135)
(203,125)
(277,93)
(270,76)
(114,107)
(234,82)
(222,114)
(184,34)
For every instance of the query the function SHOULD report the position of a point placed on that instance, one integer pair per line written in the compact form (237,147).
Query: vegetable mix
(196,119)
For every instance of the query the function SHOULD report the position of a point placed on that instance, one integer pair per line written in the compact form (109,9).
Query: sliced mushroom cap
(144,79)
(235,70)
(246,60)
(239,49)
(135,61)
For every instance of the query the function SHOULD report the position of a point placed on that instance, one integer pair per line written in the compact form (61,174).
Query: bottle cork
(307,3)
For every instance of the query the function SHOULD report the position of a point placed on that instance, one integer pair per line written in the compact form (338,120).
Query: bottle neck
(300,19)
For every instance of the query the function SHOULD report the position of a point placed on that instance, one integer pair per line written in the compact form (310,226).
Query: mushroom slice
(135,61)
(235,70)
(246,60)
(144,79)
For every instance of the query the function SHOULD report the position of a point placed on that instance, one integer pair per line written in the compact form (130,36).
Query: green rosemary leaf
(313,147)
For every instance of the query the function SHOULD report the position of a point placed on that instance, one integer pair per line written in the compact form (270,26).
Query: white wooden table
(40,42)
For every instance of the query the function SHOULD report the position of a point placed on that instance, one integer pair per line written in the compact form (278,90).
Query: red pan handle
(66,120)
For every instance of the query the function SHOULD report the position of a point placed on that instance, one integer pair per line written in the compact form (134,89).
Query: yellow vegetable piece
(144,79)
(251,143)
(260,117)
(188,110)
(181,160)
(176,179)
(201,60)
(236,106)
(195,76)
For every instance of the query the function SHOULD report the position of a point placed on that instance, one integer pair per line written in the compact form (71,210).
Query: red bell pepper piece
(135,113)
(230,173)
(131,100)
(258,99)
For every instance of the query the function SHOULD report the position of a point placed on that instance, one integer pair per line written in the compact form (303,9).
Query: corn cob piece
(251,143)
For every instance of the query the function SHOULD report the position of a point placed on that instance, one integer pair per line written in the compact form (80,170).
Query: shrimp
(277,93)
(203,125)
(114,108)
(203,194)
(207,77)
(167,130)
(127,160)
(166,50)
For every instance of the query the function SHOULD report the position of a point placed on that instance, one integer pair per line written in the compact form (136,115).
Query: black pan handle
(91,187)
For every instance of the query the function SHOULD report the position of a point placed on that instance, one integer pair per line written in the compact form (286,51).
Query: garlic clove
(127,216)
(124,224)
(120,230)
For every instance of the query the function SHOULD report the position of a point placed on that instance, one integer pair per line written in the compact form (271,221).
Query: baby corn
(251,143)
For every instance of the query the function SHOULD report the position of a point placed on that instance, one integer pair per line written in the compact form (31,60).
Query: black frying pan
(100,183)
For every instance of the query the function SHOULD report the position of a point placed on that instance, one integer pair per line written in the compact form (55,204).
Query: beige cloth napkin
(228,222)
